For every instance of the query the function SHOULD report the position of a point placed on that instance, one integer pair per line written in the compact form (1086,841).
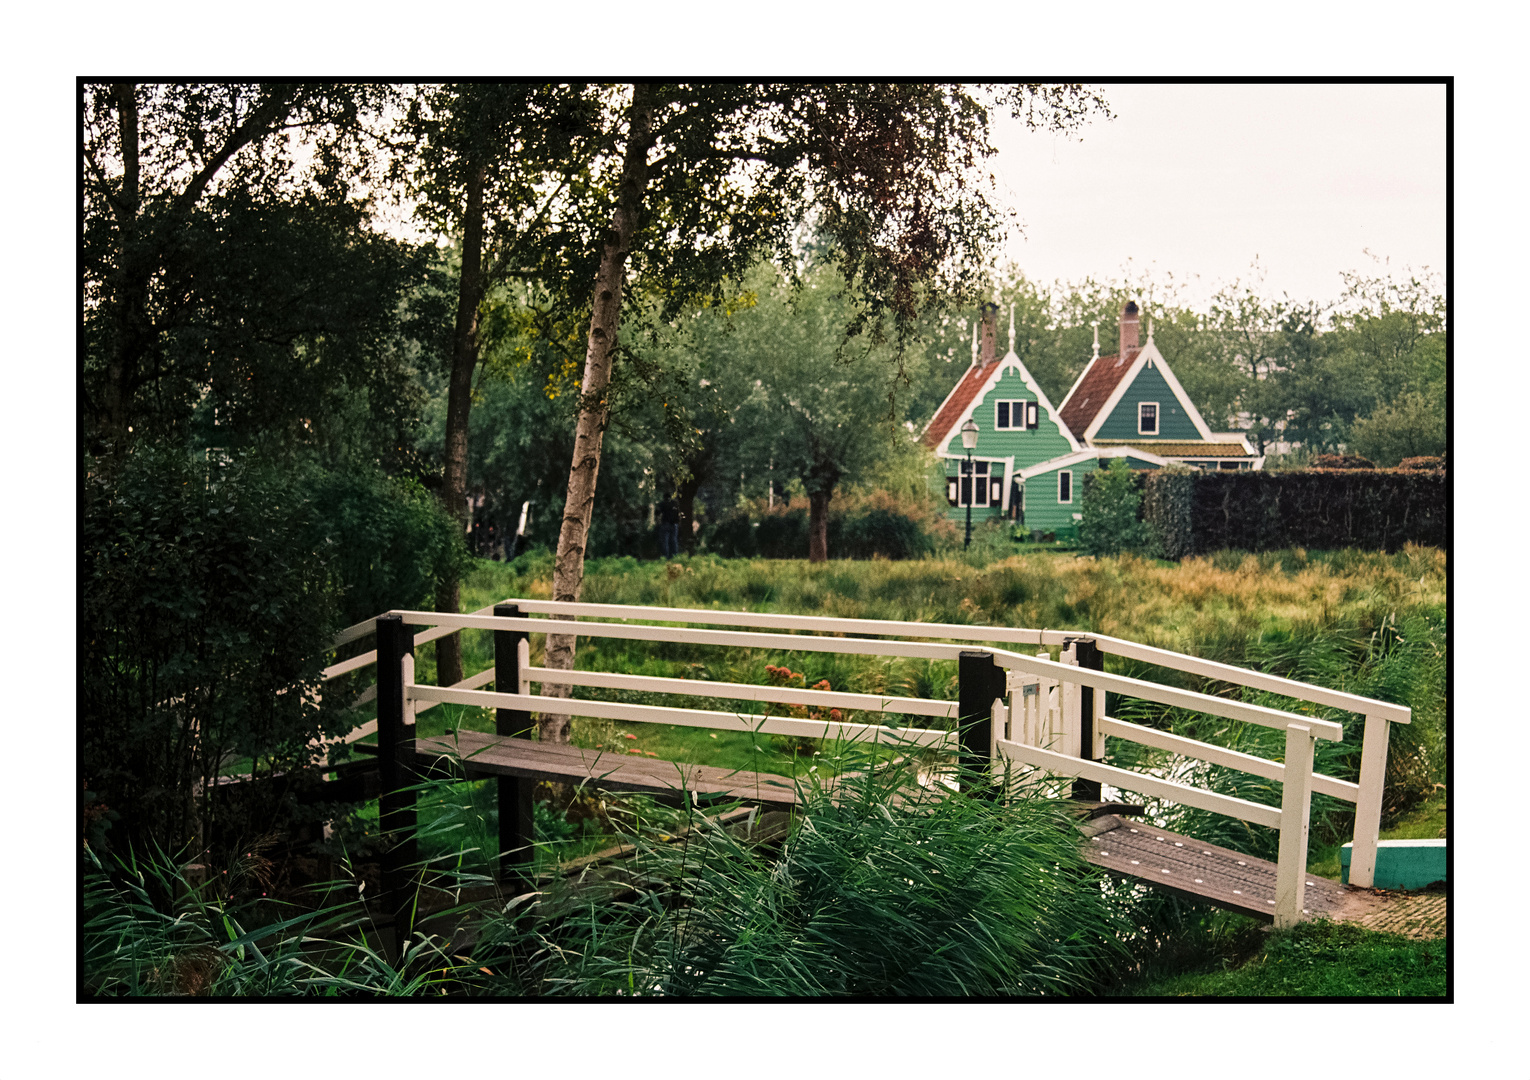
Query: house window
(1065,486)
(1015,415)
(976,486)
(1147,418)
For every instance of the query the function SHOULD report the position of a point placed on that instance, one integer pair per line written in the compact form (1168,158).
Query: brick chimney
(1129,326)
(988,343)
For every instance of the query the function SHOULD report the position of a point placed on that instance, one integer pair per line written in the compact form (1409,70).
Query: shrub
(206,613)
(1341,461)
(1320,508)
(390,540)
(861,526)
(1168,504)
(1412,426)
(1112,513)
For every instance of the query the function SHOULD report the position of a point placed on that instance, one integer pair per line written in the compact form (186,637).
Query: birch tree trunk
(568,569)
(459,401)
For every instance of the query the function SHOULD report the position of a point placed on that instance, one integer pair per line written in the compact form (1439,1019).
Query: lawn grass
(1321,959)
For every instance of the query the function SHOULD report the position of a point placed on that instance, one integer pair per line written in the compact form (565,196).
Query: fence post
(1373,778)
(979,682)
(516,830)
(1295,807)
(1089,656)
(396,810)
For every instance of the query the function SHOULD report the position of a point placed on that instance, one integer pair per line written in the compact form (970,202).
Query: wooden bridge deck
(1204,871)
(484,755)
(1121,845)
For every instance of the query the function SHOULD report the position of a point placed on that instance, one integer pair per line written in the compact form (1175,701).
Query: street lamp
(969,443)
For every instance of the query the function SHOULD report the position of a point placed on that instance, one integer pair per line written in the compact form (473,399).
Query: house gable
(1148,379)
(1005,380)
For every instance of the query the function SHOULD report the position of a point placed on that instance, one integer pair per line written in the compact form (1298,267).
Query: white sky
(1199,180)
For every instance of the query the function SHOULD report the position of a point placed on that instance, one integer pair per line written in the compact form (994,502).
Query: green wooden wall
(1149,385)
(1027,447)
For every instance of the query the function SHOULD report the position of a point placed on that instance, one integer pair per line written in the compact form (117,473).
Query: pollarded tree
(815,406)
(704,178)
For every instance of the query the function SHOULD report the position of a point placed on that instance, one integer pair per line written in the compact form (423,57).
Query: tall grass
(927,894)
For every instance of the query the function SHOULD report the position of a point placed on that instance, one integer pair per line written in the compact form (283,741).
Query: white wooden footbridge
(1018,709)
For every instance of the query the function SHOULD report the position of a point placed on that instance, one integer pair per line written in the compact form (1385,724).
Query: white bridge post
(1295,808)
(1373,776)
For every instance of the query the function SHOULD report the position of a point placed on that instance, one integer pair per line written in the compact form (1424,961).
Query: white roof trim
(954,387)
(1010,361)
(1146,353)
(1092,453)
(1076,382)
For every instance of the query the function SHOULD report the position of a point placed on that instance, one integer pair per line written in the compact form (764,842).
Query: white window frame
(1027,409)
(1060,474)
(990,472)
(1157,418)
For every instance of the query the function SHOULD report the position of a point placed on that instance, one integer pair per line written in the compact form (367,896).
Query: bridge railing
(1029,709)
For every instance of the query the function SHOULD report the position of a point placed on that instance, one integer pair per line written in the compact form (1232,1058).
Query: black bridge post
(1089,656)
(395,804)
(516,831)
(979,682)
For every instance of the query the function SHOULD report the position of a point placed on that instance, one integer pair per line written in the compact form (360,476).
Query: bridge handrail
(1165,695)
(927,644)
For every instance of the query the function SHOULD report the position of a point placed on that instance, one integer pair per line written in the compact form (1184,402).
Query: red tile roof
(1098,384)
(939,431)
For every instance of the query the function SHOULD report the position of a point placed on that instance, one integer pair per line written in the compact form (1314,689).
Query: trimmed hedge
(1376,509)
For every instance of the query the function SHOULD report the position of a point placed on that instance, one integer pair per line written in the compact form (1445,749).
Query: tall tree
(705,177)
(188,186)
(494,165)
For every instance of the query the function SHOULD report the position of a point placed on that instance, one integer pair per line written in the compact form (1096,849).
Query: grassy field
(1369,623)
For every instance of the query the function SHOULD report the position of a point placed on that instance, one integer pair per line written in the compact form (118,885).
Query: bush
(861,526)
(391,541)
(1412,426)
(206,614)
(1341,461)
(1168,504)
(1112,513)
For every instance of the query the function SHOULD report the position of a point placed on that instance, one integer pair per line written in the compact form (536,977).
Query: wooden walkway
(1204,871)
(485,755)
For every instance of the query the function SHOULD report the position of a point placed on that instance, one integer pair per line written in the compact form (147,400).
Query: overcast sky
(1198,180)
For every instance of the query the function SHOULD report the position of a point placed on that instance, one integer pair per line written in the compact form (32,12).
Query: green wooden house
(1030,458)
(1132,400)
(1018,429)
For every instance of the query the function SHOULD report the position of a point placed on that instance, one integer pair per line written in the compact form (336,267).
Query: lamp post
(969,443)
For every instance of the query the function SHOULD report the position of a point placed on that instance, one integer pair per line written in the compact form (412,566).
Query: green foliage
(1320,508)
(859,527)
(941,895)
(206,613)
(1323,959)
(1411,426)
(1167,503)
(389,540)
(1112,513)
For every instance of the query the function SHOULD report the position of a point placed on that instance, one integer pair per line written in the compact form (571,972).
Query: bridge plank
(482,754)
(1203,871)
